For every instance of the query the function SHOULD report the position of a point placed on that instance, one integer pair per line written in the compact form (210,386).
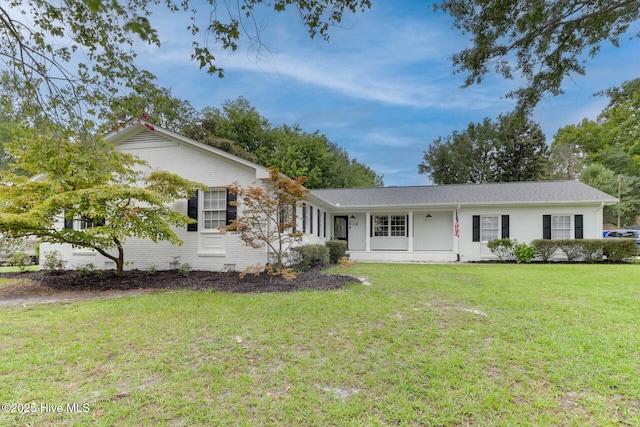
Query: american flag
(456,226)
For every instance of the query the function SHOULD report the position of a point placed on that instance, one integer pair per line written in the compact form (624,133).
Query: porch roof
(507,193)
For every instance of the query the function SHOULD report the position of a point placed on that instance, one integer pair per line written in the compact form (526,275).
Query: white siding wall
(434,233)
(525,225)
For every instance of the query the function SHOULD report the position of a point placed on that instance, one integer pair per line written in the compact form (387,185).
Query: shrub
(545,248)
(618,249)
(53,261)
(254,270)
(287,274)
(308,256)
(20,260)
(184,270)
(502,248)
(337,249)
(89,270)
(524,253)
(9,246)
(153,269)
(345,263)
(592,250)
(572,249)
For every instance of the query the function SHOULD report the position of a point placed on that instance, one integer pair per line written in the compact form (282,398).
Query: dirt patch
(44,287)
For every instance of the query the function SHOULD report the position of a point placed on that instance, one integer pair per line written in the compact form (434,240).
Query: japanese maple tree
(108,191)
(266,215)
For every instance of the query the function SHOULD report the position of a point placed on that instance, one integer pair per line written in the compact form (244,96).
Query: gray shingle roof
(543,192)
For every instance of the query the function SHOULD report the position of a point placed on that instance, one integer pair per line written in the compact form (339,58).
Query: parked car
(622,234)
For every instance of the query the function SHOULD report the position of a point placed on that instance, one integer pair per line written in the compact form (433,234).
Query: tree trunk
(119,260)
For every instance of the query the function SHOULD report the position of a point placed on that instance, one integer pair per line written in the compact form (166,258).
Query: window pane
(489,228)
(381,226)
(214,219)
(214,205)
(398,225)
(561,227)
(215,200)
(340,228)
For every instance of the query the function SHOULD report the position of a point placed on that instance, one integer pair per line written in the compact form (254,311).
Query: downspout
(458,236)
(600,216)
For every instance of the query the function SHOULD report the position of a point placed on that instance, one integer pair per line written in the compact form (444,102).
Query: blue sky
(383,87)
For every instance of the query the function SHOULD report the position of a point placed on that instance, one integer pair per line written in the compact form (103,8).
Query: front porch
(419,236)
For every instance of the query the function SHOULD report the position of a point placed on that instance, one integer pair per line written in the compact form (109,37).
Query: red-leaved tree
(266,214)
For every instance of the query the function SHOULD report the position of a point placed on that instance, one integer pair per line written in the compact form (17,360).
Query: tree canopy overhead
(544,41)
(69,56)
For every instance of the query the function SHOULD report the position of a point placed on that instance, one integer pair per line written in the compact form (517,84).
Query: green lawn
(421,345)
(17,269)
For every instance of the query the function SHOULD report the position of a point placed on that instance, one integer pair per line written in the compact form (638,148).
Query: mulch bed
(48,283)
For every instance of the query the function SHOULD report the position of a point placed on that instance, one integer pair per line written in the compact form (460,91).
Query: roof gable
(140,133)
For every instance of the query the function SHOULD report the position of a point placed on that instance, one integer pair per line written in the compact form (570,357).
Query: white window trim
(201,211)
(570,230)
(389,226)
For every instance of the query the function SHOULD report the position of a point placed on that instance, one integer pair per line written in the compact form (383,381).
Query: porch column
(367,236)
(410,231)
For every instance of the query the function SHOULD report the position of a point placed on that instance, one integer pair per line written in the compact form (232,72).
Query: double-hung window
(489,228)
(560,227)
(214,204)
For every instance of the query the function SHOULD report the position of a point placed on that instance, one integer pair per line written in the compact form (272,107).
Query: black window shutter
(579,234)
(192,211)
(324,232)
(371,228)
(310,219)
(476,228)
(505,226)
(546,227)
(319,222)
(232,208)
(406,230)
(294,216)
(68,223)
(100,222)
(304,218)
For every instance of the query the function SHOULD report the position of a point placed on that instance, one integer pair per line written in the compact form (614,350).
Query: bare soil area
(45,287)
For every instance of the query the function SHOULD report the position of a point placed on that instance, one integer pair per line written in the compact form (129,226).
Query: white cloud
(392,60)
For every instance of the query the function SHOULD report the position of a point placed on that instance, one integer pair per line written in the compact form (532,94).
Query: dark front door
(341,227)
